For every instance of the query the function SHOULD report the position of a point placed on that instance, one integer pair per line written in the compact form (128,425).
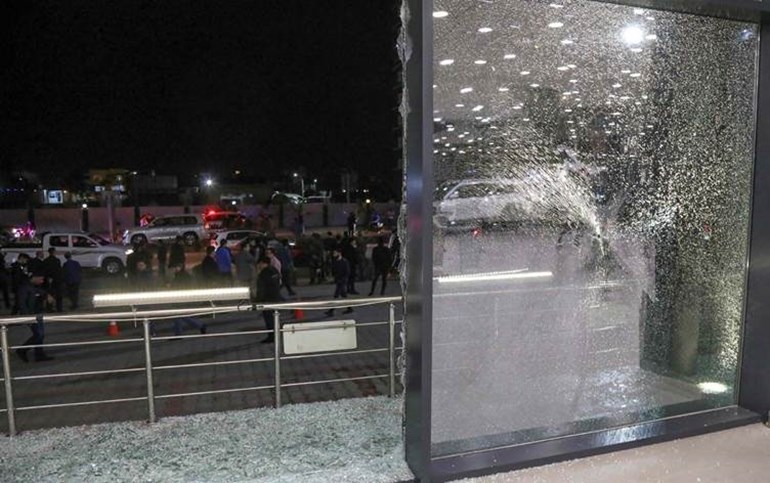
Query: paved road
(187,351)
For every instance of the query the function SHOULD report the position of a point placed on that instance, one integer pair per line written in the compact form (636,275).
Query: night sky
(195,86)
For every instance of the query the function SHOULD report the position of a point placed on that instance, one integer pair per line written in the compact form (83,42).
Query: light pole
(301,184)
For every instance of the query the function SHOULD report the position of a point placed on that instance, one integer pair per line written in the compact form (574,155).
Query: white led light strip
(171,296)
(490,276)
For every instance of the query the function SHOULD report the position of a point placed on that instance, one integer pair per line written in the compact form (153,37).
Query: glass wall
(593,168)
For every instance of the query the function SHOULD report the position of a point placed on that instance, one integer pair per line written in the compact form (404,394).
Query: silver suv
(189,227)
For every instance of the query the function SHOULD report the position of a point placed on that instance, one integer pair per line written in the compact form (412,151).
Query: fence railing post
(148,371)
(277,336)
(7,376)
(391,350)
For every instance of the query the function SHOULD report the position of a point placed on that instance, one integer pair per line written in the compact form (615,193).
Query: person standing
(382,263)
(162,258)
(287,266)
(268,290)
(351,223)
(5,281)
(176,256)
(244,264)
(340,273)
(224,259)
(209,268)
(31,299)
(36,266)
(53,277)
(350,253)
(72,275)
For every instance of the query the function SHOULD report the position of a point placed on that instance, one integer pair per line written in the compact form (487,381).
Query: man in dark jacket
(268,290)
(350,253)
(209,268)
(162,258)
(53,277)
(72,277)
(176,254)
(340,272)
(381,261)
(31,299)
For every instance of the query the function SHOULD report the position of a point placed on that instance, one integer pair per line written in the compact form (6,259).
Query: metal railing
(146,318)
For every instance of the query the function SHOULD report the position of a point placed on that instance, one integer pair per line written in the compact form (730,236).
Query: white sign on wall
(332,335)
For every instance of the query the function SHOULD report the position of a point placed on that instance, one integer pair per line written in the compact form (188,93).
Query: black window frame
(754,390)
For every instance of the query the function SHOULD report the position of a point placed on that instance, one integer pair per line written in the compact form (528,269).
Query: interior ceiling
(510,52)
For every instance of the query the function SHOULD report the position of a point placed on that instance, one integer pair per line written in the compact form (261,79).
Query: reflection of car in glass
(459,203)
(289,198)
(224,220)
(189,227)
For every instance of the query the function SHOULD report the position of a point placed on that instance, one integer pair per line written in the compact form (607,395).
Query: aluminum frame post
(8,386)
(277,336)
(148,371)
(391,350)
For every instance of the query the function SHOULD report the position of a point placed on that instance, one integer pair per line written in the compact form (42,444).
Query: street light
(209,182)
(301,183)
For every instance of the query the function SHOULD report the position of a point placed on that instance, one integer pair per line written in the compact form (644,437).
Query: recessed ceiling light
(509,56)
(485,30)
(447,62)
(555,25)
(632,35)
(480,62)
(466,90)
(440,14)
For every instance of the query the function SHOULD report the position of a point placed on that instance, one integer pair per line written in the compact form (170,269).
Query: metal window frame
(754,394)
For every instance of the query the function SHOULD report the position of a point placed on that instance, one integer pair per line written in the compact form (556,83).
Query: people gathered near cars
(261,261)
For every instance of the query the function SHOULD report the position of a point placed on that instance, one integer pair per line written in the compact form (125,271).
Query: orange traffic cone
(113,330)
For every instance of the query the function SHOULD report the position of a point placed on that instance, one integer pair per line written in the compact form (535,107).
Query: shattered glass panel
(593,168)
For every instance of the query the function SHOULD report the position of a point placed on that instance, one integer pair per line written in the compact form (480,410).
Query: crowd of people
(40,284)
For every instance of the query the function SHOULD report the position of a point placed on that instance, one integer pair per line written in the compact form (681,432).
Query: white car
(235,237)
(470,201)
(88,249)
(189,227)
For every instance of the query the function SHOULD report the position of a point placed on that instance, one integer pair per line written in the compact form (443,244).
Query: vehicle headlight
(129,251)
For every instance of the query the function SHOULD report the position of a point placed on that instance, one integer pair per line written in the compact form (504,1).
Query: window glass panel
(593,165)
(83,242)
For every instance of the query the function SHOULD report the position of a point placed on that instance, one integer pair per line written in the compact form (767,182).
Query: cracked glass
(593,169)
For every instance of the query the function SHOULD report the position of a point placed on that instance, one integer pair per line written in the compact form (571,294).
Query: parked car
(236,237)
(189,227)
(89,249)
(214,221)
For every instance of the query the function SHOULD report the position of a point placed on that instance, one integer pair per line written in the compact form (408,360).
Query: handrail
(159,314)
(147,316)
